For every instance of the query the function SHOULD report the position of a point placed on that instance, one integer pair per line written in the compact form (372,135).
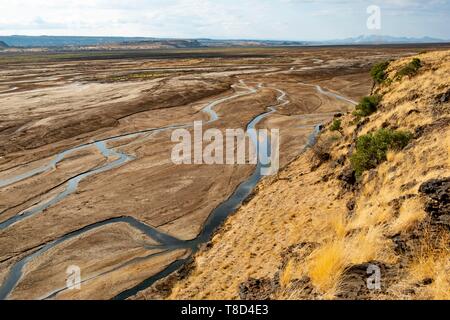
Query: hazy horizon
(211,38)
(291,20)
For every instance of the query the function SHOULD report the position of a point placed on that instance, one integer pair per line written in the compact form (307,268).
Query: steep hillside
(362,199)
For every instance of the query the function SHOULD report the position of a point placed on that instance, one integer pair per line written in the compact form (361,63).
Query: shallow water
(167,242)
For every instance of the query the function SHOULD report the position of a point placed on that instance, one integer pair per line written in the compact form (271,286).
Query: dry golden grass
(339,224)
(288,274)
(303,208)
(432,261)
(431,264)
(411,213)
(327,265)
(370,245)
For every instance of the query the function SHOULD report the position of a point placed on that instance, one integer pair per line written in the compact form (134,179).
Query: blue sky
(255,19)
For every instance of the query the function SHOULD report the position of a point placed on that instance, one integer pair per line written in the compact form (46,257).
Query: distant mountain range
(62,41)
(380,39)
(19,41)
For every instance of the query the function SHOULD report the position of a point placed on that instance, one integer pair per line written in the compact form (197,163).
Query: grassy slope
(307,235)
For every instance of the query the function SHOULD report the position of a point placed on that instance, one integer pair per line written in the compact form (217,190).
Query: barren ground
(54,103)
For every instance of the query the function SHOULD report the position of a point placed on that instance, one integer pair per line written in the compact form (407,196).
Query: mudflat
(86,176)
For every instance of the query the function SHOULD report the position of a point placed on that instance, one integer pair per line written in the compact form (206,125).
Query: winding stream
(220,213)
(166,242)
(15,274)
(329,93)
(72,184)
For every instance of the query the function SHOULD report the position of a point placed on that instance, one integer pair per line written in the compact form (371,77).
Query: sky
(224,19)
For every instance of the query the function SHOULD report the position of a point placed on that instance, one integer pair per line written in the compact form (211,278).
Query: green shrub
(336,125)
(367,106)
(410,69)
(417,63)
(378,72)
(371,149)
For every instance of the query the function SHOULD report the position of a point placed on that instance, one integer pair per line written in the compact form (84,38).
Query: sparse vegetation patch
(378,72)
(410,69)
(371,149)
(336,126)
(367,106)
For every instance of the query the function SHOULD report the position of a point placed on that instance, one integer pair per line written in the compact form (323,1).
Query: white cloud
(283,19)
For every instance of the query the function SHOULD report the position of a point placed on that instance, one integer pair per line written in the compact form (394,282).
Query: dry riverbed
(102,114)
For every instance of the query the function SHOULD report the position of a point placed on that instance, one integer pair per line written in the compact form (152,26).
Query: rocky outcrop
(257,289)
(437,192)
(359,282)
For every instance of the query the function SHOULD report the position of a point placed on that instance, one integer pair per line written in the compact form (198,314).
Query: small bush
(367,106)
(410,69)
(378,72)
(416,62)
(371,149)
(336,125)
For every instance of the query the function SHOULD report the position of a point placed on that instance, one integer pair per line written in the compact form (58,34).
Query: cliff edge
(364,214)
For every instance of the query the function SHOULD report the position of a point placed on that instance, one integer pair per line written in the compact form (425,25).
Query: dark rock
(298,251)
(385,124)
(257,289)
(340,161)
(408,186)
(324,157)
(437,189)
(443,97)
(355,281)
(400,245)
(409,292)
(392,169)
(305,287)
(360,125)
(410,112)
(439,124)
(351,205)
(413,96)
(348,177)
(444,220)
(420,131)
(426,282)
(438,193)
(396,204)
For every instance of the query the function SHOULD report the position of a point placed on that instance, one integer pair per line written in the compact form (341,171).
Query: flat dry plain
(86,177)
